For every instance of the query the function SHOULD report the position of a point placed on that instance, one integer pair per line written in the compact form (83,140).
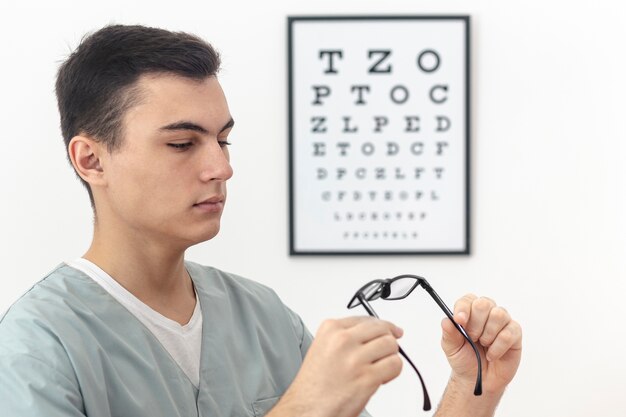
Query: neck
(153,272)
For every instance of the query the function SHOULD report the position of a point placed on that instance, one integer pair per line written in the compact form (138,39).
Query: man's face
(167,181)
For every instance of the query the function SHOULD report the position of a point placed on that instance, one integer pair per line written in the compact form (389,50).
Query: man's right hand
(346,363)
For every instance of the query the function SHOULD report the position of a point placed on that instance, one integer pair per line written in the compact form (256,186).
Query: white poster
(379,135)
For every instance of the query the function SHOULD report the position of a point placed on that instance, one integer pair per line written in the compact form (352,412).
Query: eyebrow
(186,125)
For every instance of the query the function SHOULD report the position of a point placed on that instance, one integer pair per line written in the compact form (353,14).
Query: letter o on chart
(399,98)
(367,148)
(428,60)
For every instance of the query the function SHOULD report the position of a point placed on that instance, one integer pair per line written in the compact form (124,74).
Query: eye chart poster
(379,135)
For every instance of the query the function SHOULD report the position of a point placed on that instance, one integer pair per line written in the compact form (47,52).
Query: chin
(193,233)
(206,235)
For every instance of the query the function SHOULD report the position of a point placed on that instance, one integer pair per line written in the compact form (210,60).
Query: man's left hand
(497,336)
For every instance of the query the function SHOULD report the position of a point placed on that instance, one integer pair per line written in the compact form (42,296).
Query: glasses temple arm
(371,312)
(478,388)
(427,405)
(367,306)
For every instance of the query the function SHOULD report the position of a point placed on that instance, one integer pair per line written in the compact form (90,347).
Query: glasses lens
(400,288)
(371,292)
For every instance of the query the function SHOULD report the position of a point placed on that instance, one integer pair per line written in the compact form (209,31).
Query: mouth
(213,204)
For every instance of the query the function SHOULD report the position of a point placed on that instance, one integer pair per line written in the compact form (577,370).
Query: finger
(352,321)
(497,320)
(478,317)
(451,340)
(379,348)
(387,368)
(372,329)
(331,327)
(510,337)
(463,308)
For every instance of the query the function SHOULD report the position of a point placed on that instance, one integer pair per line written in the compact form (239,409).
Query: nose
(215,163)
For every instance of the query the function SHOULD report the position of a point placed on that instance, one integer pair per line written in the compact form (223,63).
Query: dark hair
(96,84)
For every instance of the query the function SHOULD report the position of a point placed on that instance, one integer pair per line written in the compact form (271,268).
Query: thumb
(451,339)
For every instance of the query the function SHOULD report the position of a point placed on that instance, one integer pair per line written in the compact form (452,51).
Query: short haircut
(96,85)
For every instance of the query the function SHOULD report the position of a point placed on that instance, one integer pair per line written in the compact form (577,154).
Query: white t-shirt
(182,342)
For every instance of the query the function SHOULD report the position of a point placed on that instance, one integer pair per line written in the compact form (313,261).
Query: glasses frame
(383,291)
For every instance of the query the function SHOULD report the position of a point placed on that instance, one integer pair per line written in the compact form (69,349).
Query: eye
(224,143)
(180,146)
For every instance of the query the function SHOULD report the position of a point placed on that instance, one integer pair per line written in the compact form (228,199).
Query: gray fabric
(67,348)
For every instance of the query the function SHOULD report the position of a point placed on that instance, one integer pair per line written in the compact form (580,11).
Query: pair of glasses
(396,289)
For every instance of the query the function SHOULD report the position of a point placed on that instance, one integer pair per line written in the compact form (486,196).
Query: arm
(499,341)
(346,363)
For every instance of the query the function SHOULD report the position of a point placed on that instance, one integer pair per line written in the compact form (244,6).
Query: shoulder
(52,294)
(33,330)
(46,309)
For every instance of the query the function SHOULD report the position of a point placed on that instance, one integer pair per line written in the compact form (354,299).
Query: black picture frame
(320,238)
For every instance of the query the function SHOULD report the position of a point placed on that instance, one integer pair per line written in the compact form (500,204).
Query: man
(132,329)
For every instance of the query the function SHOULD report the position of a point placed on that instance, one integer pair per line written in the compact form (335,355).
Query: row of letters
(379,196)
(398,94)
(380,62)
(412,124)
(384,235)
(379,173)
(376,216)
(320,149)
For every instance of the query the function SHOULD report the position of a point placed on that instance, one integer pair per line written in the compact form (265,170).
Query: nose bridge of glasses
(400,287)
(395,288)
(385,290)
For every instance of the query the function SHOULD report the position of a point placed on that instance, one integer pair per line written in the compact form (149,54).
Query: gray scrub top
(68,348)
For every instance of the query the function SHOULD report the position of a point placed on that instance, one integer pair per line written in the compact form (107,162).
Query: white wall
(549,235)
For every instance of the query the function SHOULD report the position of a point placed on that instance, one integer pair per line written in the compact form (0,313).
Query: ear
(85,154)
